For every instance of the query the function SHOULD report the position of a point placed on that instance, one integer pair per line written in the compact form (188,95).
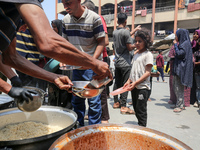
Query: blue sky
(49,9)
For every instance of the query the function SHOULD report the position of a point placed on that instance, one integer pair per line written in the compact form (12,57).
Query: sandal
(130,103)
(177,110)
(128,112)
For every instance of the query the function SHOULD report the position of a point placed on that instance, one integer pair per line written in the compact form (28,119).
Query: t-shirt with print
(121,37)
(139,62)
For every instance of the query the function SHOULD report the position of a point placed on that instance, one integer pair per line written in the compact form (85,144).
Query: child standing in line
(139,80)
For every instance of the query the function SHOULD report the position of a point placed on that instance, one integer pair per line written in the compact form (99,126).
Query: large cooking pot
(6,102)
(117,136)
(50,115)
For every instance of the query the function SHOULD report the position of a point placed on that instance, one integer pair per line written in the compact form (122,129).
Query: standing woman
(57,97)
(195,47)
(183,66)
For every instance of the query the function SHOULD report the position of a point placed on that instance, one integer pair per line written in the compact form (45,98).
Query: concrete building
(161,16)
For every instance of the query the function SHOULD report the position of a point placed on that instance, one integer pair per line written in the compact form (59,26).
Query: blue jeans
(94,112)
(197,78)
(161,73)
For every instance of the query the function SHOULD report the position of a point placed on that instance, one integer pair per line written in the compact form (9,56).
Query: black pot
(50,115)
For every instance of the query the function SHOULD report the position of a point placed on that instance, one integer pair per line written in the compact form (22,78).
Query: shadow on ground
(166,105)
(198,111)
(131,122)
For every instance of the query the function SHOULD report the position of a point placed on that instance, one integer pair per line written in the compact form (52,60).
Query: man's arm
(136,29)
(50,44)
(100,47)
(6,70)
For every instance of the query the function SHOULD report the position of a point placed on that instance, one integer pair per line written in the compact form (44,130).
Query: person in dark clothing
(122,45)
(183,67)
(56,96)
(160,65)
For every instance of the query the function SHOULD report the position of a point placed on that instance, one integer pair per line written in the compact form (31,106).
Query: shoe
(177,110)
(126,110)
(116,105)
(86,117)
(170,102)
(195,104)
(174,107)
(104,122)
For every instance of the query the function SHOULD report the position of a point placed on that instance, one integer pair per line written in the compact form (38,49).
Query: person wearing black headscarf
(183,66)
(57,26)
(57,97)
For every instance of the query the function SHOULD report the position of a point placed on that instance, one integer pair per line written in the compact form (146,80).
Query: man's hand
(16,82)
(21,93)
(102,70)
(138,28)
(64,83)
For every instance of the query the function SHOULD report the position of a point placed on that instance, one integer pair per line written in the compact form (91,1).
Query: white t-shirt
(139,62)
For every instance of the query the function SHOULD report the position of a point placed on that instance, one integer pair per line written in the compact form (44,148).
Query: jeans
(197,78)
(121,76)
(161,73)
(94,112)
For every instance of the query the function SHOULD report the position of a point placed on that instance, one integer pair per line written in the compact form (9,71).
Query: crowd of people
(80,39)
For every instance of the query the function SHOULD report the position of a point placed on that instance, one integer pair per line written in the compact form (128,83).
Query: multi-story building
(166,16)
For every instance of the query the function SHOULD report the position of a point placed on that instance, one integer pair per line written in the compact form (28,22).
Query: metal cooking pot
(34,104)
(79,89)
(50,115)
(6,102)
(117,136)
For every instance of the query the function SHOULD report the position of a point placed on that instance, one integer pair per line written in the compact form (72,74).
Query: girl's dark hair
(145,35)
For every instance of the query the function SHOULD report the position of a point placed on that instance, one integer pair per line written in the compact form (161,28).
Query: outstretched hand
(102,70)
(64,83)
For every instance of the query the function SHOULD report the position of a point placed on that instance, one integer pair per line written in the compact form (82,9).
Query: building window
(59,1)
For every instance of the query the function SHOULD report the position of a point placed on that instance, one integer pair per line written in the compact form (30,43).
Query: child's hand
(175,41)
(131,86)
(126,85)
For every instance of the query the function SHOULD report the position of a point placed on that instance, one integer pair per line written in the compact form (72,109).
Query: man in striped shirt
(83,28)
(26,47)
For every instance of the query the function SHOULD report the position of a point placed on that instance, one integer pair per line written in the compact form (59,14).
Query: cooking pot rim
(101,127)
(44,137)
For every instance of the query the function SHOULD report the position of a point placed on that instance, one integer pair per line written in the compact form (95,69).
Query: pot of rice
(34,130)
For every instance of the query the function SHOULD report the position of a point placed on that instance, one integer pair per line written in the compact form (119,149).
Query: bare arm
(50,44)
(12,58)
(100,47)
(136,29)
(106,40)
(6,70)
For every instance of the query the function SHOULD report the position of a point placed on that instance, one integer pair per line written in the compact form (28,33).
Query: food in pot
(26,130)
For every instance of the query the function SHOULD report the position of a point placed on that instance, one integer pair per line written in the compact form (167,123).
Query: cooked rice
(26,130)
